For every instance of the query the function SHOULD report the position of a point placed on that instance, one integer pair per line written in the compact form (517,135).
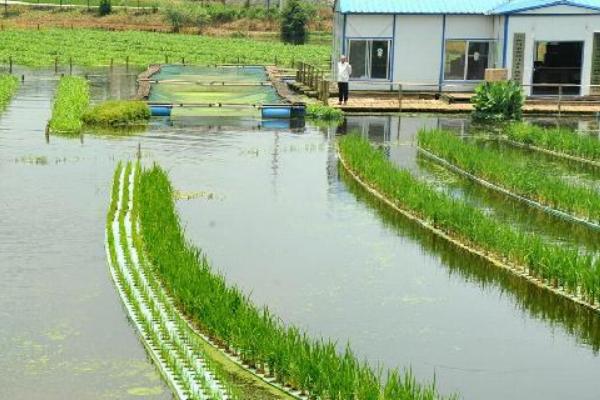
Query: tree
(293,23)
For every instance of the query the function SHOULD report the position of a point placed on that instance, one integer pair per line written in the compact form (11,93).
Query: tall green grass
(514,173)
(260,338)
(559,140)
(560,266)
(117,113)
(71,100)
(8,87)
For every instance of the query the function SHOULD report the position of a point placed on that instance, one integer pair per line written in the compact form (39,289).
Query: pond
(272,211)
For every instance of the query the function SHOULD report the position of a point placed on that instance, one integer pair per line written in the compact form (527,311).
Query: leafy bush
(324,113)
(105,7)
(113,113)
(187,15)
(294,18)
(498,101)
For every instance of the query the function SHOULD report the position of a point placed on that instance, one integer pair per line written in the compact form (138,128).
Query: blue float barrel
(160,110)
(273,112)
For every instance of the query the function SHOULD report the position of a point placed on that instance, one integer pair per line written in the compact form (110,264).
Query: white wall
(553,28)
(417,53)
(369,26)
(469,27)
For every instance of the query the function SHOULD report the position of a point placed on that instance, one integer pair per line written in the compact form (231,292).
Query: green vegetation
(515,174)
(324,113)
(559,266)
(559,140)
(294,18)
(8,87)
(498,101)
(71,100)
(116,113)
(96,48)
(226,314)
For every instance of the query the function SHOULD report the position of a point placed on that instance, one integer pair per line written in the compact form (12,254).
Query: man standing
(344,70)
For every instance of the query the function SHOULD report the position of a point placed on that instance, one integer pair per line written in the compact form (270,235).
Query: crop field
(99,48)
(71,101)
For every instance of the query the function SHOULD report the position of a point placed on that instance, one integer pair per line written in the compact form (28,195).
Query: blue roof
(455,6)
(525,5)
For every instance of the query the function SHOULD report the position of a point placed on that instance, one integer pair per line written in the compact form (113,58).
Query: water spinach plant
(8,87)
(70,102)
(116,113)
(226,315)
(321,112)
(514,174)
(563,269)
(559,140)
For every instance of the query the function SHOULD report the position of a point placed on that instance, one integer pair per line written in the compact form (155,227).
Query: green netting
(192,85)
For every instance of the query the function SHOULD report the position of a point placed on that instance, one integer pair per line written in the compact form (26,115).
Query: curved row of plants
(8,87)
(256,336)
(563,269)
(165,336)
(71,109)
(514,174)
(558,140)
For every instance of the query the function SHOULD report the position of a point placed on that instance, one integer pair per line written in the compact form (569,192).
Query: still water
(274,214)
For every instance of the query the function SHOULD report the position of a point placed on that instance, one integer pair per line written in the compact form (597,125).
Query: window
(466,60)
(369,59)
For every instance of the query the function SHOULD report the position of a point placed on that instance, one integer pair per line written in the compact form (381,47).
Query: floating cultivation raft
(70,102)
(560,269)
(164,334)
(8,87)
(512,177)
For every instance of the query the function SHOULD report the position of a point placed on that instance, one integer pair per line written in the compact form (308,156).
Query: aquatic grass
(515,174)
(116,113)
(576,274)
(70,102)
(560,140)
(324,113)
(228,317)
(8,87)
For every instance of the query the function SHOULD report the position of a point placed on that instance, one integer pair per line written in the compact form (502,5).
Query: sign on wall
(518,60)
(596,65)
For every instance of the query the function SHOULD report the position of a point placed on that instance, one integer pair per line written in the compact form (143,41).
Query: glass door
(379,59)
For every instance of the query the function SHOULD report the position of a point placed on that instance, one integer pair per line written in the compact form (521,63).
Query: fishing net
(213,91)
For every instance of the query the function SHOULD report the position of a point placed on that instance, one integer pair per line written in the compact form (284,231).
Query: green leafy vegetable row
(559,140)
(8,87)
(515,174)
(70,102)
(561,266)
(228,317)
(117,112)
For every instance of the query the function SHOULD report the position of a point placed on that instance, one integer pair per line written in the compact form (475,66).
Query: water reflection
(579,321)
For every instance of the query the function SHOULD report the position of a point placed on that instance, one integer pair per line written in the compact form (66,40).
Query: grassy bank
(559,140)
(8,87)
(70,102)
(563,267)
(228,317)
(515,174)
(117,113)
(97,48)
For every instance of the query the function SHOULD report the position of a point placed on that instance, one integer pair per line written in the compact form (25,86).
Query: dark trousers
(343,91)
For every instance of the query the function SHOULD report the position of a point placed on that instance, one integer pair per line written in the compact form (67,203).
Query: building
(446,45)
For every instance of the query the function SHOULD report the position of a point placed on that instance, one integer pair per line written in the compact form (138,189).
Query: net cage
(223,91)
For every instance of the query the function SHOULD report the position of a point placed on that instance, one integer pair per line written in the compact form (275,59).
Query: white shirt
(344,70)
